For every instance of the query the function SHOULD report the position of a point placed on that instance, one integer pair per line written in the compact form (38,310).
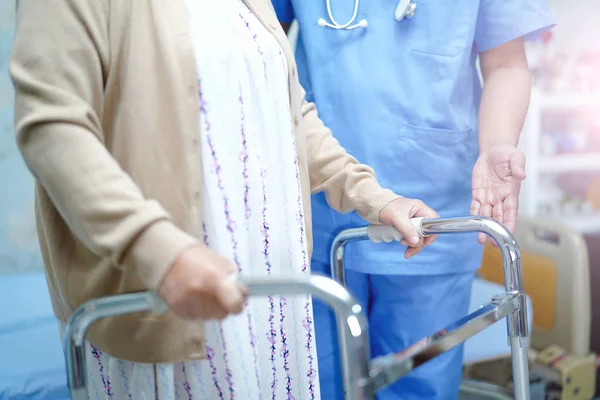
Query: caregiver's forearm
(506,94)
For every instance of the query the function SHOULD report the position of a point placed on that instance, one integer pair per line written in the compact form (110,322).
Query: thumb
(406,229)
(517,164)
(230,295)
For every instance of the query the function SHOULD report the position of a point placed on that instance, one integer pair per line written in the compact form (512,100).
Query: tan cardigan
(107,119)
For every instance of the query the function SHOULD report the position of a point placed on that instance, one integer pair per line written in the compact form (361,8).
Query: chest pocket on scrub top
(441,27)
(436,165)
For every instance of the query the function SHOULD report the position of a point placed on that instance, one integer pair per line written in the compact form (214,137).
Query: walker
(362,376)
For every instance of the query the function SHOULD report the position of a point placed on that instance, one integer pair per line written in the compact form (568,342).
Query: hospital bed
(557,279)
(362,377)
(32,363)
(556,275)
(490,344)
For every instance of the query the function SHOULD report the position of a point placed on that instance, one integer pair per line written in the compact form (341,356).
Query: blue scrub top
(403,98)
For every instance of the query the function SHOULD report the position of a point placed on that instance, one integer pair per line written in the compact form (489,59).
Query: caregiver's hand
(497,178)
(198,286)
(398,214)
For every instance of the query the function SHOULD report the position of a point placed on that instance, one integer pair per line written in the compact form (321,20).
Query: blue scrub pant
(401,310)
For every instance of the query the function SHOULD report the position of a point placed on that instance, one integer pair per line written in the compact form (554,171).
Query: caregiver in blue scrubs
(405,97)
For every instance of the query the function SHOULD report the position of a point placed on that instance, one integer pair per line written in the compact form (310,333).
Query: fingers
(193,301)
(399,214)
(424,211)
(202,307)
(498,215)
(202,303)
(475,207)
(511,209)
(504,212)
(498,212)
(426,241)
(430,239)
(413,251)
(483,210)
(218,297)
(231,296)
(481,238)
(227,297)
(486,210)
(410,235)
(199,286)
(476,210)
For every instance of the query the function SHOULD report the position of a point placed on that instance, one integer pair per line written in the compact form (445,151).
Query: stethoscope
(405,9)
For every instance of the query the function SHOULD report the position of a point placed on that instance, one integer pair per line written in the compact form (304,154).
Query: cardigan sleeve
(59,66)
(348,185)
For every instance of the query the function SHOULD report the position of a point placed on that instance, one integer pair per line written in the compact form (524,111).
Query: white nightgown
(252,214)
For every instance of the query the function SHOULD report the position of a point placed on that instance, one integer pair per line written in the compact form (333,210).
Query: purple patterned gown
(253,215)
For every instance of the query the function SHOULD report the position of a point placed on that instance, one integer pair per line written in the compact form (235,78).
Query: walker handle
(355,328)
(387,233)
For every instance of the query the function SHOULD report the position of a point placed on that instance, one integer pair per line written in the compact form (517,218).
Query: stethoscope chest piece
(405,9)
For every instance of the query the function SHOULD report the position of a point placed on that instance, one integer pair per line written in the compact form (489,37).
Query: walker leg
(520,367)
(338,274)
(346,378)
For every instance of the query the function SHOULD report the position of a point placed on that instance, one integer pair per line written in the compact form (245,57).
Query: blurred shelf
(539,164)
(583,223)
(567,101)
(570,163)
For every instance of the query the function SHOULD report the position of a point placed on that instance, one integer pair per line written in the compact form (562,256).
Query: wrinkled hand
(398,214)
(199,286)
(497,178)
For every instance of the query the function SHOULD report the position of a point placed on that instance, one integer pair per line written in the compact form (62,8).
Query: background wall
(18,242)
(578,24)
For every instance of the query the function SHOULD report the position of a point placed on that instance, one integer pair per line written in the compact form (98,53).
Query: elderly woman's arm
(349,185)
(58,67)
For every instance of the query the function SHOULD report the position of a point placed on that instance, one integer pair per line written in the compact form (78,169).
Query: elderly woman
(172,146)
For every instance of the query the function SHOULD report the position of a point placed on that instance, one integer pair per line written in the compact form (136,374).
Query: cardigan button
(197,348)
(296,120)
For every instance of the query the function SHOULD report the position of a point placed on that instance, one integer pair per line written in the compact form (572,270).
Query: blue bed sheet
(31,356)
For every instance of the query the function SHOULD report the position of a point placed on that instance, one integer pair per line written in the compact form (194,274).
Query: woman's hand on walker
(398,214)
(199,286)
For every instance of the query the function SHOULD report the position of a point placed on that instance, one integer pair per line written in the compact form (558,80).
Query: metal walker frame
(362,376)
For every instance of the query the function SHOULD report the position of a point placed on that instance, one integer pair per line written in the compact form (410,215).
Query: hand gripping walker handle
(159,306)
(387,233)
